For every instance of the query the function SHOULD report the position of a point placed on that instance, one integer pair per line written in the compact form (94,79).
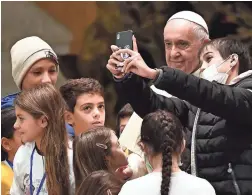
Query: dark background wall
(92,27)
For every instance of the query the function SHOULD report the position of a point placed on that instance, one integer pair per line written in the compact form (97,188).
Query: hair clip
(103,146)
(109,192)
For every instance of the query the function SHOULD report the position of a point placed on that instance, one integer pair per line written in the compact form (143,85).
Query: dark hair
(8,118)
(45,100)
(73,88)
(126,111)
(162,132)
(227,46)
(100,183)
(89,151)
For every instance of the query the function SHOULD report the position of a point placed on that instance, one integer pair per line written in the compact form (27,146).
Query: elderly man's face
(181,45)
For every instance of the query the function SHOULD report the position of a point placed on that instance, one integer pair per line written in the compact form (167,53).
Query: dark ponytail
(163,133)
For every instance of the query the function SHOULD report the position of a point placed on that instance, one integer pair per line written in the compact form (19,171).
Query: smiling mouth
(176,62)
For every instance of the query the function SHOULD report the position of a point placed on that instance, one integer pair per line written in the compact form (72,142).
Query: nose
(96,113)
(46,78)
(15,126)
(174,52)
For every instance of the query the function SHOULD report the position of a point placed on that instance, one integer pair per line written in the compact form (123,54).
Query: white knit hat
(190,16)
(25,52)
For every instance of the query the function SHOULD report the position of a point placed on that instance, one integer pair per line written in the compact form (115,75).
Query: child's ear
(144,148)
(43,122)
(69,118)
(234,60)
(6,144)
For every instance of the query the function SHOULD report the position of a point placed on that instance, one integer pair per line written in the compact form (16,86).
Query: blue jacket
(8,101)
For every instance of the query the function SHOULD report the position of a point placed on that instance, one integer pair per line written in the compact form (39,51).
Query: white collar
(241,76)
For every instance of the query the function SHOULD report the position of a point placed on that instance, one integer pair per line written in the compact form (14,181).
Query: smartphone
(124,41)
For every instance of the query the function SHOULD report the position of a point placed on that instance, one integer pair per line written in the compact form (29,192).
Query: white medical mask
(211,73)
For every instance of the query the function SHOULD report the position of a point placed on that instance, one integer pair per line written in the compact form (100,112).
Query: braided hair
(162,132)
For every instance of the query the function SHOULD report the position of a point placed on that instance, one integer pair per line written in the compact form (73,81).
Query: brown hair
(227,46)
(89,152)
(100,183)
(162,132)
(73,88)
(45,100)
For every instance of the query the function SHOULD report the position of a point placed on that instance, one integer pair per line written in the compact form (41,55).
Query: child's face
(30,129)
(12,144)
(123,123)
(43,71)
(89,112)
(117,158)
(211,56)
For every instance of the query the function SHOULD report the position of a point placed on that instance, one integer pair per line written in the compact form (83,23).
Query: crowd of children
(48,158)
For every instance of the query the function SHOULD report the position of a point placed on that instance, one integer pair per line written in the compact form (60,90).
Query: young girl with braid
(162,143)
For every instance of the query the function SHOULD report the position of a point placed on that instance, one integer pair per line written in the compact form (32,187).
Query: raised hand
(115,63)
(124,172)
(136,64)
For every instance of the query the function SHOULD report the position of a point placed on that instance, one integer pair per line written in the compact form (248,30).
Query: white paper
(131,134)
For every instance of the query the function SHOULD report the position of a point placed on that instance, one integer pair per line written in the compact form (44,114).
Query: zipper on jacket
(193,142)
(230,170)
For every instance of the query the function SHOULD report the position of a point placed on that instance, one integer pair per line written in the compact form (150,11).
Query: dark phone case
(124,39)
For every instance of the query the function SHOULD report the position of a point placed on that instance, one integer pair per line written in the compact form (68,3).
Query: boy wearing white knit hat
(33,62)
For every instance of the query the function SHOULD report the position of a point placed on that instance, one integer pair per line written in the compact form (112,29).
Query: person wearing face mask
(216,110)
(213,72)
